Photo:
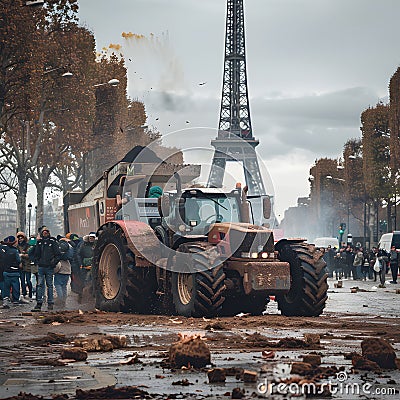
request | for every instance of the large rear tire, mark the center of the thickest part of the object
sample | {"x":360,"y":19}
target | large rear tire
{"x":199,"y":294}
{"x":309,"y":286}
{"x":118,"y":284}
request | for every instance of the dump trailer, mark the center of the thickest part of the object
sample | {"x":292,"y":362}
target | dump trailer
{"x":193,"y":251}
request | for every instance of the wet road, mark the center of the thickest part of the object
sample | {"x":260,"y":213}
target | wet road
{"x":348,"y":318}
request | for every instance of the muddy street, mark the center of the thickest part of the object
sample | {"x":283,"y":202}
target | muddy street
{"x":253,"y":354}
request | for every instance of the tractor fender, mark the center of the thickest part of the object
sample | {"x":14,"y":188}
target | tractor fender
{"x":283,"y":242}
{"x":141,"y":240}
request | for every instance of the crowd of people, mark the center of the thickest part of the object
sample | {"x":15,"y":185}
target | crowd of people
{"x":351,"y":262}
{"x":40,"y":268}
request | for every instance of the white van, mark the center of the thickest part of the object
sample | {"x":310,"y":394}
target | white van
{"x":388,"y":240}
{"x":326,"y":241}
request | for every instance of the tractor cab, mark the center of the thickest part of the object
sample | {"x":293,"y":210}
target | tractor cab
{"x":210,"y":215}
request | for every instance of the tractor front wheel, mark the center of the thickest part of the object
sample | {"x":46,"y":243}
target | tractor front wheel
{"x":309,"y":286}
{"x":201,"y":293}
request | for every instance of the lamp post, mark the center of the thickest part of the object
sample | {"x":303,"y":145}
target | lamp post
{"x":340,"y":180}
{"x":29,"y":218}
{"x":112,"y":82}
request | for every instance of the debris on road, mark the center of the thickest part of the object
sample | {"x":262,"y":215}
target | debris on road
{"x":112,"y":392}
{"x":301,"y":368}
{"x":74,"y":353}
{"x":216,"y":326}
{"x":312,"y":338}
{"x":379,"y":351}
{"x":312,"y":359}
{"x":101,"y":342}
{"x":182,"y":382}
{"x":238,"y":393}
{"x":216,"y":375}
{"x":50,"y":338}
{"x":189,"y":351}
{"x":249,"y":376}
{"x":268,"y":354}
{"x":133,"y":359}
{"x":362,"y":363}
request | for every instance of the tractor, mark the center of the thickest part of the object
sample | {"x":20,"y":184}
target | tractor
{"x":196,"y":252}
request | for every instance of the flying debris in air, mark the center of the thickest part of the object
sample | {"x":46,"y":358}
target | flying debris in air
{"x":130,"y":59}
{"x":157,"y":119}
{"x":188,"y":122}
{"x":202,"y":83}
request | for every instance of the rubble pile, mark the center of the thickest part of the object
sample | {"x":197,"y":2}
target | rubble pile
{"x":379,"y":351}
{"x":189,"y":351}
{"x":101,"y":342}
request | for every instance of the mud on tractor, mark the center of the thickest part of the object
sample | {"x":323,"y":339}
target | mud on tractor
{"x":196,"y":252}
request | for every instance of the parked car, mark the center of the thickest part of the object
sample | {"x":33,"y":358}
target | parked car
{"x":326,"y":241}
{"x":388,"y":240}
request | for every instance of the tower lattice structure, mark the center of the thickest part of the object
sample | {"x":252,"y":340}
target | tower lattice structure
{"x":235,"y":140}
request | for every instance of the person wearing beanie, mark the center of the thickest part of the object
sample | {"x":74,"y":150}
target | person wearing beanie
{"x":25,"y":273}
{"x":155,"y":192}
{"x":46,"y":255}
{"x":12,"y":264}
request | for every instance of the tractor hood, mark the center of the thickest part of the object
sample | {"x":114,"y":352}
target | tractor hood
{"x":241,"y":238}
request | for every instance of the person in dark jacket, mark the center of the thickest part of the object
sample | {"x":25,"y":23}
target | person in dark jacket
{"x":46,"y":256}
{"x":85,"y":256}
{"x":12,"y":265}
{"x":76,"y":280}
{"x":382,"y":257}
{"x":2,"y":254}
{"x":394,"y":264}
{"x":63,"y":271}
{"x":25,"y":273}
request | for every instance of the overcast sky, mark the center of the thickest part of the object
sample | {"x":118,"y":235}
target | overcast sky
{"x":313,"y":66}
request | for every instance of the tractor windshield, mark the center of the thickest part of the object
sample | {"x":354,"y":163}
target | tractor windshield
{"x":202,"y":211}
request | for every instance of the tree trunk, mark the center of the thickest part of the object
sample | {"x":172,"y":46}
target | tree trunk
{"x":40,"y":204}
{"x":21,"y":201}
{"x":389,"y":216}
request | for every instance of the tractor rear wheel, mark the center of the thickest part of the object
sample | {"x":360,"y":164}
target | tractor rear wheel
{"x":117,"y":284}
{"x":309,"y":286}
{"x":199,"y":294}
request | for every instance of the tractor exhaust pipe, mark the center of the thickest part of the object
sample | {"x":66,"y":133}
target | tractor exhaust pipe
{"x":178,"y":183}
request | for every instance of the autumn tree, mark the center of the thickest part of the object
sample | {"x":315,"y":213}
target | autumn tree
{"x":21,"y":62}
{"x":46,"y":119}
{"x":394,"y":125}
{"x":68,"y":103}
{"x":376,"y":161}
{"x":326,"y":194}
{"x":376,"y":151}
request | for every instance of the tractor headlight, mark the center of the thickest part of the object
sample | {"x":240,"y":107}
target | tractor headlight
{"x":254,"y":255}
{"x":245,"y":255}
{"x":264,"y":255}
{"x":182,"y":228}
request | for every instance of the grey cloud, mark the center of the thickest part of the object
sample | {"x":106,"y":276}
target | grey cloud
{"x":319,"y":124}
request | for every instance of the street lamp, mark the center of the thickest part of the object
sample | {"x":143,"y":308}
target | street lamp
{"x":33,"y":3}
{"x":341,"y":231}
{"x":111,"y":82}
{"x":29,"y":218}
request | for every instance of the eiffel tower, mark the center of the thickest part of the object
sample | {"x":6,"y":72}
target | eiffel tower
{"x":235,"y":140}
